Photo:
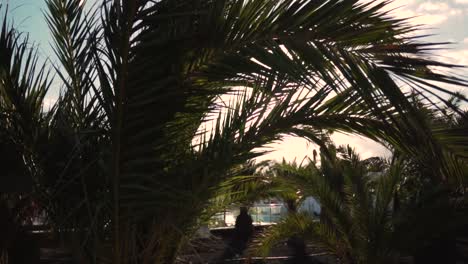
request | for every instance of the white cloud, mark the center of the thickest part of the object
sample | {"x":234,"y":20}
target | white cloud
{"x":433,"y":7}
{"x":421,"y":19}
{"x":399,"y":8}
{"x":404,"y":13}
{"x":429,"y":19}
{"x":457,"y":57}
{"x":463,"y":2}
{"x":365,"y":147}
{"x":433,"y":13}
{"x":426,"y":13}
{"x":455,"y":12}
{"x":396,"y":5}
{"x":295,"y":148}
{"x":290,"y":148}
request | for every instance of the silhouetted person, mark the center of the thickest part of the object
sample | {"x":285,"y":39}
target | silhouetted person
{"x":243,"y":231}
{"x":298,"y":248}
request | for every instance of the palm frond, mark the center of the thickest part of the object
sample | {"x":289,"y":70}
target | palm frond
{"x":299,"y":224}
{"x":23,"y":87}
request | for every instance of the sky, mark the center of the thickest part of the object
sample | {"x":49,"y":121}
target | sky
{"x":445,"y":20}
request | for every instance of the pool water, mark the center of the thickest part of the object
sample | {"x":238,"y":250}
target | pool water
{"x":263,"y":212}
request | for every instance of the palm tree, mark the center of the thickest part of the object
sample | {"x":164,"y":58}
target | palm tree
{"x":23,"y":86}
{"x":359,"y":222}
{"x":422,"y":175}
{"x":122,"y":157}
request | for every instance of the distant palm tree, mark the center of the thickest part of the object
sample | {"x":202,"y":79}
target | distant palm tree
{"x":122,"y":157}
{"x":359,"y":222}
